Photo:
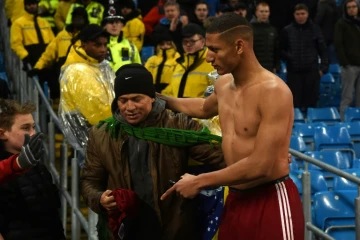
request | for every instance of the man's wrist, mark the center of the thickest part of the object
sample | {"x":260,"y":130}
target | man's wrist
{"x":204,"y":181}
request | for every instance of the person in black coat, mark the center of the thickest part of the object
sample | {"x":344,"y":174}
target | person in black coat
{"x":301,"y":44}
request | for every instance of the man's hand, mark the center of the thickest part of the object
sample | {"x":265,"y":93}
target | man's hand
{"x":173,"y":24}
{"x":108,"y":201}
{"x":32,"y":151}
{"x":321,"y":73}
{"x":186,"y":187}
{"x":289,"y":158}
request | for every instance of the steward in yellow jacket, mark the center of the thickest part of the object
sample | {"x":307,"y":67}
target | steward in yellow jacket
{"x":134,"y":29}
{"x":61,"y":13}
{"x":56,"y":52}
{"x":190,"y":78}
{"x":94,"y":9}
{"x":162,"y":65}
{"x":47,"y":10}
{"x":120,"y":50}
{"x":14,"y":9}
{"x":30,"y":34}
{"x":86,"y":84}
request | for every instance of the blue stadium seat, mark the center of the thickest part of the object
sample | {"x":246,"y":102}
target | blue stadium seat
{"x":2,"y":64}
{"x":354,"y":131}
{"x":298,"y":116}
{"x":328,"y":115}
{"x":298,"y":144}
{"x":282,"y":73}
{"x":352,"y":114}
{"x":4,"y":77}
{"x":341,"y":183}
{"x":147,"y":52}
{"x":335,"y":209}
{"x":318,"y":182}
{"x":293,"y":166}
{"x":326,"y":83}
{"x":335,"y":70}
{"x":306,"y":131}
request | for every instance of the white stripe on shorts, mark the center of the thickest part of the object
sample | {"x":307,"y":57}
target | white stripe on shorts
{"x":285,"y":214}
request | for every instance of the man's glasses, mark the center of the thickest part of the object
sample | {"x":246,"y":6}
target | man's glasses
{"x":190,"y":42}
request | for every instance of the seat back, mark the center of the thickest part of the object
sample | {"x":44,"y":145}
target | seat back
{"x":147,"y":52}
{"x":329,"y":115}
{"x":335,"y":208}
{"x":333,"y":158}
{"x":341,"y":183}
{"x":354,"y":131}
{"x":297,"y":143}
{"x":298,"y":116}
{"x":307,"y":131}
{"x":352,"y":114}
{"x":318,"y":182}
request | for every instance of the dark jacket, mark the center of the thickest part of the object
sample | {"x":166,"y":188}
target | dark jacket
{"x":107,"y":166}
{"x":29,"y":206}
{"x":266,"y":45}
{"x":347,"y":39}
{"x":300,"y":47}
{"x":326,"y":17}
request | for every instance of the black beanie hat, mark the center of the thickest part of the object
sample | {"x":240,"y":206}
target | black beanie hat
{"x":130,"y":79}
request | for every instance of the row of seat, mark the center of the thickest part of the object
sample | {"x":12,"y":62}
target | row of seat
{"x":328,"y":115}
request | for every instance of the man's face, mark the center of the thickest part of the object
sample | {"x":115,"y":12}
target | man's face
{"x":301,"y":16}
{"x":241,"y":12}
{"x":96,"y":49}
{"x":135,"y":108}
{"x":78,"y":22}
{"x":31,"y":8}
{"x":201,"y":11}
{"x":126,"y":11}
{"x":262,"y":13}
{"x":220,"y":54}
{"x":171,"y":12}
{"x":193,"y":44}
{"x":352,"y":9}
{"x":14,"y":138}
{"x":114,"y":27}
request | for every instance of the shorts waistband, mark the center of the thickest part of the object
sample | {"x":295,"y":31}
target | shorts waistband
{"x":282,"y":179}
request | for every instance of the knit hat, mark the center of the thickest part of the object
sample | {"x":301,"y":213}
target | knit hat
{"x":191,"y":29}
{"x":130,"y":79}
{"x":92,"y":32}
{"x":161,"y":33}
{"x":29,"y":2}
{"x":128,"y":4}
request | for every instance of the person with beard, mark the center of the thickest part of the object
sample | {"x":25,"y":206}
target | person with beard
{"x":133,"y":157}
{"x":56,"y":52}
{"x":347,"y":47}
{"x":134,"y":29}
{"x":190,"y":77}
{"x":30,"y":34}
{"x":162,"y":65}
{"x":30,"y":202}
{"x":86,"y":85}
{"x":94,"y":9}
{"x":201,"y":13}
{"x":120,"y":50}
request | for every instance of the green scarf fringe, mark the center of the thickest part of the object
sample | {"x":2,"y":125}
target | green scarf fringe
{"x":167,"y":136}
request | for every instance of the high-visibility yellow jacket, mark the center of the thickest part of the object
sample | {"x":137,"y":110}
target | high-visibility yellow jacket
{"x":14,"y":9}
{"x":61,"y":13}
{"x":95,"y":12}
{"x":162,"y":66}
{"x":191,"y":72}
{"x":121,"y":51}
{"x":50,"y":8}
{"x":57,"y":50}
{"x":23,"y":34}
{"x":134,"y":31}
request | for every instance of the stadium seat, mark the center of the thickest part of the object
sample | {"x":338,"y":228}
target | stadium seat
{"x":334,"y":213}
{"x":341,"y":183}
{"x":147,"y":52}
{"x":334,"y":69}
{"x":298,"y":144}
{"x":318,"y":182}
{"x":293,"y":166}
{"x":354,"y":131}
{"x":326,"y":83}
{"x":4,"y":77}
{"x":298,"y":116}
{"x":306,"y":131}
{"x":352,"y":114}
{"x":2,"y":64}
{"x":327,"y":115}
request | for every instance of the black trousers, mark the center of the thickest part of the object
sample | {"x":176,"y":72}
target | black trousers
{"x":304,"y":87}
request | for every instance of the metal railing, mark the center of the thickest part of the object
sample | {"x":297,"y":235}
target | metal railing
{"x":29,"y":89}
{"x":306,"y":194}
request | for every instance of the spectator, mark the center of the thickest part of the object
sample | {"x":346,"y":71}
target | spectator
{"x":120,"y":50}
{"x":86,"y":85}
{"x":208,"y":21}
{"x":29,"y":203}
{"x":213,"y":6}
{"x":326,"y":17}
{"x":201,"y":13}
{"x":301,"y":45}
{"x":135,"y":170}
{"x":190,"y":75}
{"x":162,"y":65}
{"x":94,"y":9}
{"x":266,"y":39}
{"x":61,"y":13}
{"x":152,"y":18}
{"x":241,"y":8}
{"x":134,"y":29}
{"x":347,"y":39}
{"x":14,"y":9}
{"x":56,"y":52}
{"x":174,"y":22}
{"x":47,"y":10}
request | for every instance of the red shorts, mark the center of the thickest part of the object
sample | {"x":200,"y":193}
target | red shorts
{"x":269,"y":211}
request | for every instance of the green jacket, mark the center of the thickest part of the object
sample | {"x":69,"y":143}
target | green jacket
{"x":95,"y":12}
